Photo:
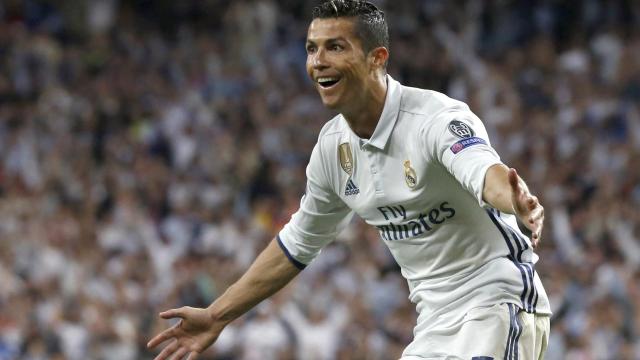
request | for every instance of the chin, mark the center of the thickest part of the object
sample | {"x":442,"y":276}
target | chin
{"x":332,"y":104}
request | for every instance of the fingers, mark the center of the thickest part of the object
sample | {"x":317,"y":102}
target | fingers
{"x":168,"y":333}
{"x":162,"y":337}
{"x":167,"y":351}
{"x":173,"y":313}
{"x":192,"y":356}
{"x":173,"y":351}
{"x":535,"y":239}
{"x":518,"y":196}
{"x":180,"y":353}
{"x":513,"y":179}
{"x":527,"y":206}
{"x":536,"y":221}
{"x":534,"y":212}
{"x":537,"y":214}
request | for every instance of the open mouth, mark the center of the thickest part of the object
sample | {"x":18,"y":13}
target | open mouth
{"x":327,"y":82}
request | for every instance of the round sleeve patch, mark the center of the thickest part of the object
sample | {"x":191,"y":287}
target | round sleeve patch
{"x":460,"y":129}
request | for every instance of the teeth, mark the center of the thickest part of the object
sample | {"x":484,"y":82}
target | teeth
{"x":327,"y":79}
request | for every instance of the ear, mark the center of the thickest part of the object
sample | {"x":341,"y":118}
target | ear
{"x":379,"y":56}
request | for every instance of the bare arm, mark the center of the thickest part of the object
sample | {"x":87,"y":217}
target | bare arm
{"x":507,"y":192}
{"x":199,"y":328}
{"x":270,"y":272}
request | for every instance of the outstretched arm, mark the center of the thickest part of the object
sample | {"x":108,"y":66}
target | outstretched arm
{"x":199,"y":328}
{"x":507,"y":192}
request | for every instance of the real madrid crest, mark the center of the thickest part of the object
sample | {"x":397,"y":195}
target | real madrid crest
{"x":410,"y":176}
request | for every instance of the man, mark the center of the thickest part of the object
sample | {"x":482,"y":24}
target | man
{"x":418,"y":166}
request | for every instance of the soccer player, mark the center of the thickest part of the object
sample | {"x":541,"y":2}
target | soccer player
{"x":419,"y":167}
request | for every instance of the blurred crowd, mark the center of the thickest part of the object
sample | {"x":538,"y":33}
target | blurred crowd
{"x":150,"y":149}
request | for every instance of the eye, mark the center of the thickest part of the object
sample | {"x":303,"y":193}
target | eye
{"x":336,"y":47}
{"x":311,"y":49}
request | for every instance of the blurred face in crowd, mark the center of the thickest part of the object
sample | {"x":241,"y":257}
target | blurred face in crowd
{"x":341,"y":71}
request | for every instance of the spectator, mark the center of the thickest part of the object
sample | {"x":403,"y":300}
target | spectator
{"x":148,"y":151}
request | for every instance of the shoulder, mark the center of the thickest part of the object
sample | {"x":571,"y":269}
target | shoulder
{"x":332,"y":132}
{"x":428,"y":102}
{"x":431,"y":111}
{"x":324,"y":156}
{"x":330,"y":137}
{"x":332,"y":127}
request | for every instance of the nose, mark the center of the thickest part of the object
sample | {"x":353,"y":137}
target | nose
{"x":319,"y":60}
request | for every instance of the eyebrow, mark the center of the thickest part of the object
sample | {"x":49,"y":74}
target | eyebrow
{"x":330,"y":40}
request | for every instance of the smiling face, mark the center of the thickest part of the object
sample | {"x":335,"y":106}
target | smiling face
{"x":337,"y":64}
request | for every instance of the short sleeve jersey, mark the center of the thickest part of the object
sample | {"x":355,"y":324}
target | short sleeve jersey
{"x":419,"y":181}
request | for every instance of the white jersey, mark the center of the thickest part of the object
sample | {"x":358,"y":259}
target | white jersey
{"x":419,"y":180}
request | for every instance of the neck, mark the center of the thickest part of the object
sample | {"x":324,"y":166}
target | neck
{"x":364,"y":116}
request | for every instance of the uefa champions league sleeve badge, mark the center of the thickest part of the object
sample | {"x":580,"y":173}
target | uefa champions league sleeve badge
{"x":461,"y":130}
{"x":410,"y":176}
{"x":467,"y":135}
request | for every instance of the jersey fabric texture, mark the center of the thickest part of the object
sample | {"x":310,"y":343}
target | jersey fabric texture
{"x":419,"y":181}
{"x":497,"y":332}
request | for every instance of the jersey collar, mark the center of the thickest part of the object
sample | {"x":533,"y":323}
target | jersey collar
{"x":389,"y":116}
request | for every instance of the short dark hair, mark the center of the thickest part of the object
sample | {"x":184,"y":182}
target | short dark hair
{"x":371,"y":25}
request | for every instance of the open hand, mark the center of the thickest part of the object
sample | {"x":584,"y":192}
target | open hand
{"x":195,"y":332}
{"x":526,"y":207}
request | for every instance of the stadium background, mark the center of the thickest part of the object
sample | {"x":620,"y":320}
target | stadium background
{"x":149,"y":150}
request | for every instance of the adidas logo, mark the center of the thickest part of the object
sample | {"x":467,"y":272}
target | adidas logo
{"x":351,"y":188}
